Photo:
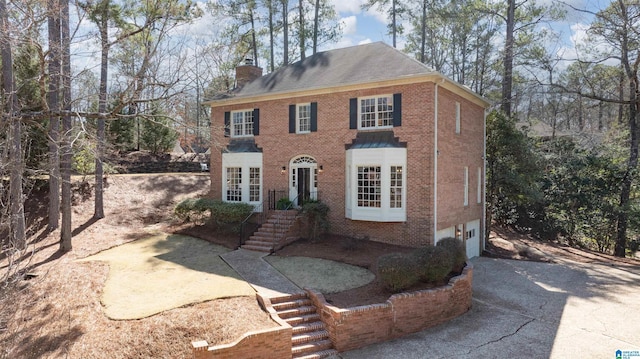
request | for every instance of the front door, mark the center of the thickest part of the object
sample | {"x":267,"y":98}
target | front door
{"x":304,"y":185}
{"x":303,"y":180}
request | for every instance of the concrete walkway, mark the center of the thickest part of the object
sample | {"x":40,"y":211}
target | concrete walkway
{"x":265,"y":279}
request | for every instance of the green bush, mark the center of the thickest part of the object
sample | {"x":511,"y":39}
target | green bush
{"x":457,"y":249}
{"x":283,"y":203}
{"x":397,"y":271}
{"x":316,"y":213}
{"x":434,"y":263}
{"x":200,"y":210}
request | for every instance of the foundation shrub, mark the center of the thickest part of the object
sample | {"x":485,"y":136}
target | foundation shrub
{"x":397,"y":271}
{"x":434,"y":263}
{"x":457,"y":249}
{"x":218,"y":213}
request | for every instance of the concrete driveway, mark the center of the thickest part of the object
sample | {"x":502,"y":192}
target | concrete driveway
{"x":533,"y":310}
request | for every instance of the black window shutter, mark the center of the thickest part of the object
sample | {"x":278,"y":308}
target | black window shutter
{"x":353,"y":113}
{"x":227,"y":124}
{"x":256,"y":121}
{"x":314,"y":117}
{"x":292,"y":118}
{"x":397,"y":109}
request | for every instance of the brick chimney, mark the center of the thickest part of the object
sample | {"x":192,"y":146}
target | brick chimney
{"x":247,"y":73}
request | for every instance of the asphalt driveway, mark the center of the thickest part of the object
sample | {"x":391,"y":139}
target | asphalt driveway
{"x":533,"y":310}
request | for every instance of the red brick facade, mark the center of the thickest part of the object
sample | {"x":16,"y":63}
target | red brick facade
{"x":327,"y":147}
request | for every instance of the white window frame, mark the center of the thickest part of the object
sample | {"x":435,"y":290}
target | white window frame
{"x":377,"y":113}
{"x":299,"y":118}
{"x":246,"y":162}
{"x":466,"y":186}
{"x":457,"y":117}
{"x":385,"y":158}
{"x":244,"y":123}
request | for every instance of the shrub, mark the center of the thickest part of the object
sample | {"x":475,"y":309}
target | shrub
{"x":397,"y":271}
{"x":316,"y":214}
{"x":457,"y":249}
{"x":283,"y":203}
{"x":199,"y":210}
{"x":434,"y":263}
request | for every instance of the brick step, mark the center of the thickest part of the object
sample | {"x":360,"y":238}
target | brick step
{"x":256,"y":248}
{"x":309,"y":348}
{"x":292,"y":304}
{"x":308,"y":327}
{"x":310,"y":337}
{"x":288,"y":298}
{"x":309,"y":318}
{"x":262,"y":235}
{"x":296,"y":312}
{"x":259,"y":242}
{"x":274,"y":222}
{"x":318,"y":355}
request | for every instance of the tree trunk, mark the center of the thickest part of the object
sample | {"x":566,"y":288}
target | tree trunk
{"x":65,"y":167}
{"x":285,"y":29}
{"x":632,"y":164}
{"x":393,"y":22}
{"x":102,"y":108}
{"x":316,"y":22}
{"x":423,"y":32}
{"x":53,"y":101}
{"x":18,"y":232}
{"x":507,"y":81}
{"x":271,"y":41}
{"x":301,"y":34}
{"x":254,"y":43}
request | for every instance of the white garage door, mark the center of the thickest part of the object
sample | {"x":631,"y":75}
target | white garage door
{"x":473,"y":238}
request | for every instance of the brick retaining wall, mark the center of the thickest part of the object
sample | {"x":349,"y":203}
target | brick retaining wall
{"x":402,"y":314}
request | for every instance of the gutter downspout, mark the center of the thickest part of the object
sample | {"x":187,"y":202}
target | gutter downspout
{"x":484,"y":183}
{"x":435,"y":163}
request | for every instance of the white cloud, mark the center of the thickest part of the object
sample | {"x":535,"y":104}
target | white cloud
{"x":348,"y":6}
{"x":365,"y":41}
{"x":379,"y":14}
{"x":350,"y":24}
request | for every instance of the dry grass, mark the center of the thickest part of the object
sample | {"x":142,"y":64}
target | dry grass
{"x":58,"y":312}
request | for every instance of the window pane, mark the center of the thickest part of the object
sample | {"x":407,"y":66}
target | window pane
{"x":368,"y":112}
{"x":234,"y":182}
{"x":385,"y":111}
{"x":369,"y":187}
{"x":304,"y":118}
{"x":395,"y":195}
{"x":254,"y":184}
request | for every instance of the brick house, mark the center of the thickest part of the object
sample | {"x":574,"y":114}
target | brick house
{"x":394,"y":148}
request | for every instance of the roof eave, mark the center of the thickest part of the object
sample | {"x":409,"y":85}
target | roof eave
{"x":424,"y":77}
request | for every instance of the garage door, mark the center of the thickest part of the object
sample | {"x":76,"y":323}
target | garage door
{"x":473,"y":238}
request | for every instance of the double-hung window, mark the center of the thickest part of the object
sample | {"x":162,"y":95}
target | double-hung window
{"x":234,"y":184}
{"x":369,"y":190}
{"x":304,"y":118}
{"x":242,"y":123}
{"x":376,"y":112}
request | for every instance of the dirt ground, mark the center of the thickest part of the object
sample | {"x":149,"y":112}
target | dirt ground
{"x":56,"y":311}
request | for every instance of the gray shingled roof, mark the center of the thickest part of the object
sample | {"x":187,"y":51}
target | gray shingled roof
{"x":352,"y":65}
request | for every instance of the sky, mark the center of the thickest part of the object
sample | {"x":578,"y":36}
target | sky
{"x":364,"y":26}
